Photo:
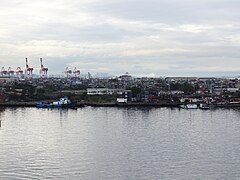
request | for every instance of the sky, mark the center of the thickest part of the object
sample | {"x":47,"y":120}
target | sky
{"x":143,"y":37}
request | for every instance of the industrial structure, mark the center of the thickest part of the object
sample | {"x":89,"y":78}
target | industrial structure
{"x":3,"y":71}
{"x":68,"y":72}
{"x":76,"y":73}
{"x":43,"y":70}
{"x":28,"y":70}
{"x":19,"y":71}
{"x":10,"y":71}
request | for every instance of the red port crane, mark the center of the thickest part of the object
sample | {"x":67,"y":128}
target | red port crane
{"x":28,"y":69}
{"x":19,"y":71}
{"x":68,"y":72}
{"x":43,"y":70}
{"x":76,"y":72}
{"x":3,"y":71}
{"x":10,"y":71}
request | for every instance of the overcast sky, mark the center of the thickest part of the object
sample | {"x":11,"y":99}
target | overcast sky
{"x":142,"y":37}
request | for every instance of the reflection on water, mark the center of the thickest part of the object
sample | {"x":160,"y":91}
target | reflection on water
{"x":119,"y":143}
{"x":1,"y":112}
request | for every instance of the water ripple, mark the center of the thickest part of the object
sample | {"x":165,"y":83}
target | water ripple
{"x":119,"y":143}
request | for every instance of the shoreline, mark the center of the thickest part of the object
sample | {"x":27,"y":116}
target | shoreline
{"x":33,"y":104}
{"x":139,"y":104}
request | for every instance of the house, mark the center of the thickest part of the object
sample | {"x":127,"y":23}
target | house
{"x":102,"y":91}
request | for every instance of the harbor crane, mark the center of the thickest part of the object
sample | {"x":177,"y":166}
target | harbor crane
{"x":28,"y":69}
{"x":43,"y":70}
{"x":68,"y":72}
{"x":3,"y":71}
{"x":10,"y":71}
{"x":76,"y":72}
{"x":89,"y":75}
{"x":19,"y":71}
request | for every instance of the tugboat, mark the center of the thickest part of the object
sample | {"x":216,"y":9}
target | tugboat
{"x":61,"y":103}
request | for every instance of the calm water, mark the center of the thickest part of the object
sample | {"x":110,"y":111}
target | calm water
{"x":119,"y":143}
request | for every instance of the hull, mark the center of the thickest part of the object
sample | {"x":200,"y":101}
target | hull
{"x":71,"y":105}
{"x":204,"y":106}
{"x":44,"y":105}
{"x":189,"y":106}
{"x":52,"y":105}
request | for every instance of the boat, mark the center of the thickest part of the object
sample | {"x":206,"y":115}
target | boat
{"x":43,"y":105}
{"x":61,"y":103}
{"x":204,"y":106}
{"x":189,"y":106}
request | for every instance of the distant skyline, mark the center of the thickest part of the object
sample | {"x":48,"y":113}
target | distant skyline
{"x":142,"y":37}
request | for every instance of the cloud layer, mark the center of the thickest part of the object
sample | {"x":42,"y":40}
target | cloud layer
{"x":161,"y":38}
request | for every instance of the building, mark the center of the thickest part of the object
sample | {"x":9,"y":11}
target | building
{"x":103,"y":91}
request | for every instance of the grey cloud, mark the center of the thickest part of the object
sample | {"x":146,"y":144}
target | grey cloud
{"x":170,"y":11}
{"x":159,"y":37}
{"x":78,"y":33}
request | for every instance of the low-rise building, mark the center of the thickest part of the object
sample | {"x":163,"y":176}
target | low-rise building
{"x":102,"y":91}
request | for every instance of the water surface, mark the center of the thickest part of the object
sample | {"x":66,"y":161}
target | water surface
{"x":119,"y":143}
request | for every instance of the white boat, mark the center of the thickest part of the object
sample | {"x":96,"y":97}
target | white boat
{"x":61,"y":103}
{"x":189,"y":106}
{"x":204,"y":106}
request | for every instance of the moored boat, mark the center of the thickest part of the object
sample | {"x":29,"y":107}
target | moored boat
{"x":204,"y":106}
{"x":43,"y":105}
{"x":189,"y":106}
{"x":61,"y":103}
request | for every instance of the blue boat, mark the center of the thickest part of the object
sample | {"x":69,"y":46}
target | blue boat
{"x":61,"y":103}
{"x":43,"y":105}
